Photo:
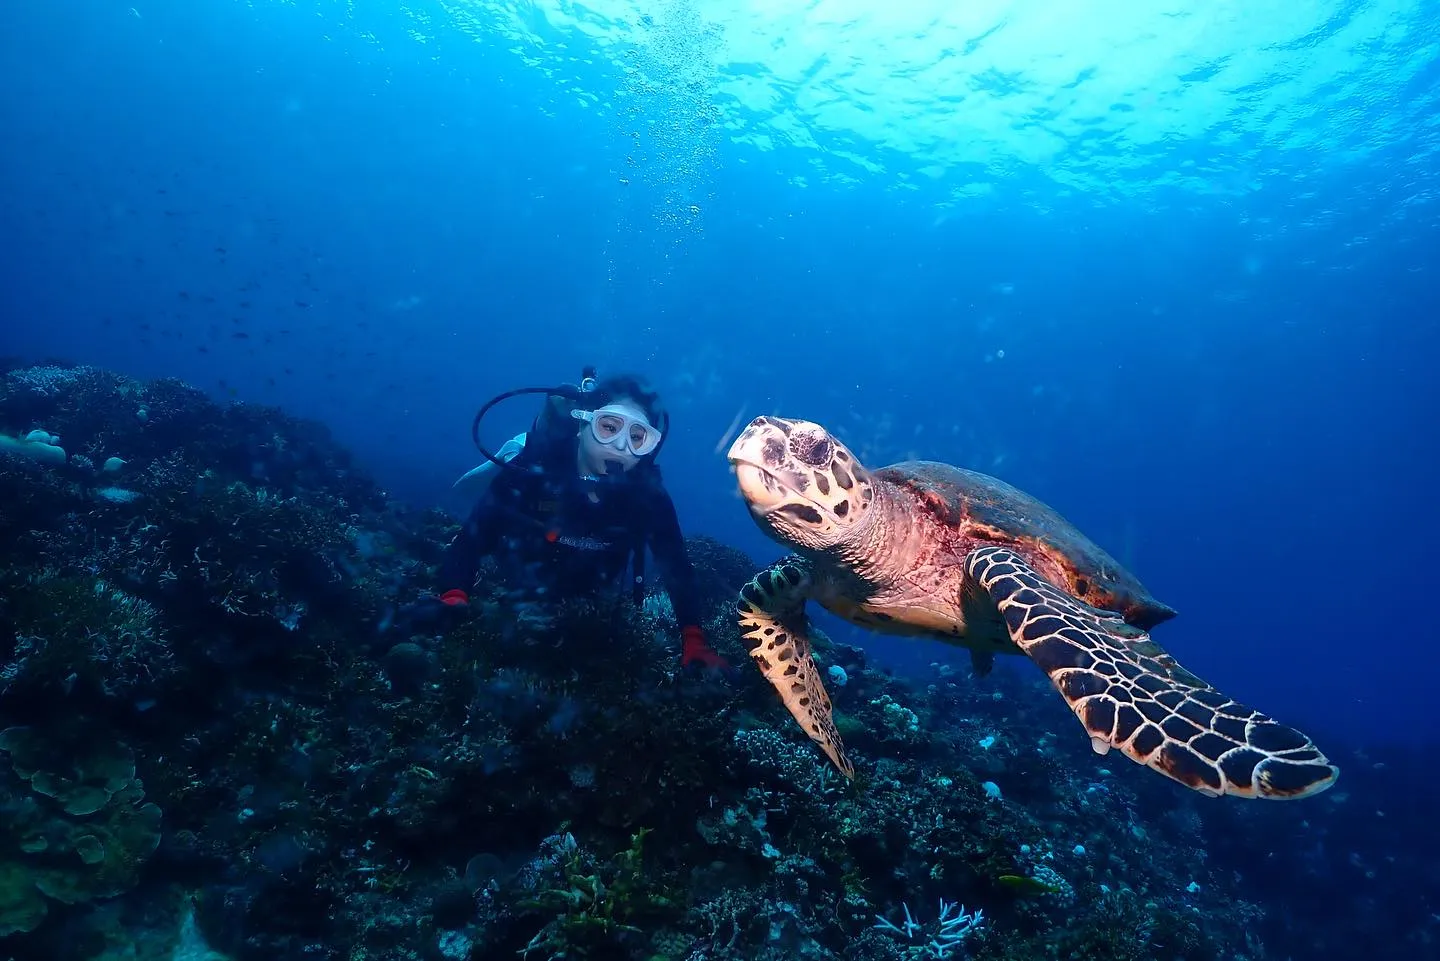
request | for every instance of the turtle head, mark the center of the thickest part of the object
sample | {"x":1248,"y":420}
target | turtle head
{"x":803,"y":487}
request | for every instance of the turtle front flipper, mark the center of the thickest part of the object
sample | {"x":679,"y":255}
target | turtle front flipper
{"x":1132,"y":695}
{"x":775,"y":631}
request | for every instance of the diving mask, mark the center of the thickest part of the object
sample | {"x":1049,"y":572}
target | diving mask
{"x":621,"y":428}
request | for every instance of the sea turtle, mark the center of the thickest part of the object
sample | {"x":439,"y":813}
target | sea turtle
{"x":926,"y":549}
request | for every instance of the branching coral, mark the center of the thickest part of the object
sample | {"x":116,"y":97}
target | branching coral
{"x":87,"y":631}
{"x":936,"y":939}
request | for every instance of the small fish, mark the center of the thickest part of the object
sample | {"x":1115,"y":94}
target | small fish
{"x":1025,"y":886}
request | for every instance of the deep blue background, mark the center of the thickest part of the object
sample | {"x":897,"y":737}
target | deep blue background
{"x":1244,"y":415}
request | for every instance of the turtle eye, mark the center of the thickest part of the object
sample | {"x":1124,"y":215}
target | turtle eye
{"x":812,"y":451}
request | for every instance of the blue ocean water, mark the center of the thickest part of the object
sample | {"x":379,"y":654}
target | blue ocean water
{"x":1170,"y":267}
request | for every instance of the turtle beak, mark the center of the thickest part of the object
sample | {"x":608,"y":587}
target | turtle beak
{"x":762,"y":491}
{"x":760,"y":488}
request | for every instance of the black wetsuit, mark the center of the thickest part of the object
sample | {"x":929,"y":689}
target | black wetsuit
{"x":539,"y":521}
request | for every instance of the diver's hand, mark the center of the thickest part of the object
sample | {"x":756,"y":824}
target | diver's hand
{"x":433,"y":612}
{"x":698,"y":658}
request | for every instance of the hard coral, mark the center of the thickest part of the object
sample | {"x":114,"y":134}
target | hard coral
{"x":76,"y":821}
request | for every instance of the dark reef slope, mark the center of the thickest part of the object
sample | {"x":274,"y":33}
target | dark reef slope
{"x":205,"y":714}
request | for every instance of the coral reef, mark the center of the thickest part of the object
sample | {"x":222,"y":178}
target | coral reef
{"x":208,"y":716}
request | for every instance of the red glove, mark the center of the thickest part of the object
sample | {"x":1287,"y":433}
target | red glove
{"x":694,"y":651}
{"x":455,"y":598}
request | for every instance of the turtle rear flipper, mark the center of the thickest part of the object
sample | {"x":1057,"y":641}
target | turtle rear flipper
{"x":1130,"y":694}
{"x":775,"y":631}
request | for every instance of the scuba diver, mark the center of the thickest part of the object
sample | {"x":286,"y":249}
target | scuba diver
{"x":572,"y":503}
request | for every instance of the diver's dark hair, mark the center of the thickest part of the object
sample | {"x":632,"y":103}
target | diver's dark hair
{"x":612,"y":388}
